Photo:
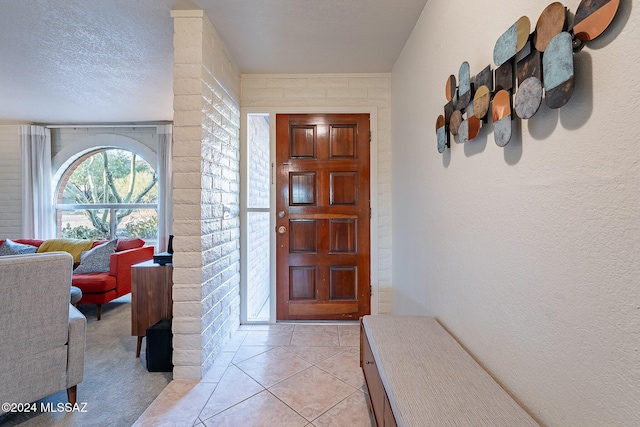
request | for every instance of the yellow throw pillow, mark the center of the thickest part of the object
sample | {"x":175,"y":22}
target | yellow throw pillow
{"x":73,"y":246}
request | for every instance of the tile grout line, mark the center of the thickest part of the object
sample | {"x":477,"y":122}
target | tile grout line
{"x":342,"y":349}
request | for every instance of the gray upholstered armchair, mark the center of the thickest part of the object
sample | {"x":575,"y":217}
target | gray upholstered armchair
{"x":42,"y":336}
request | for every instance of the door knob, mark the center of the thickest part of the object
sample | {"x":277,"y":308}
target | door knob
{"x":282,"y":229}
{"x":282,"y":214}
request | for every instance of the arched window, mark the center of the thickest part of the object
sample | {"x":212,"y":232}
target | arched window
{"x":108,"y":193}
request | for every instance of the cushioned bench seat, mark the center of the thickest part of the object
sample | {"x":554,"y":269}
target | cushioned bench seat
{"x":429,"y":379}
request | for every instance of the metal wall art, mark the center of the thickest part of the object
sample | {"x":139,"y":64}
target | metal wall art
{"x":543,"y":72}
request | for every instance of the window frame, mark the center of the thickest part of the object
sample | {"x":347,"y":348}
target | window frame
{"x":64,"y":175}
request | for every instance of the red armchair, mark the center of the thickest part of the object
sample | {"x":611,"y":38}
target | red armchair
{"x":100,"y":288}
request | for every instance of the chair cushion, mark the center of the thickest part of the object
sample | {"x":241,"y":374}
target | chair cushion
{"x":96,"y":260}
{"x":32,"y":242}
{"x":97,"y":282}
{"x":73,"y":246}
{"x":126,"y":244}
{"x":9,"y":247}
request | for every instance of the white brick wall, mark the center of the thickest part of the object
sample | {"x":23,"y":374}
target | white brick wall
{"x":303,"y":93}
{"x":69,"y":136}
{"x":11,"y":182}
{"x":258,"y":223}
{"x":206,"y":195}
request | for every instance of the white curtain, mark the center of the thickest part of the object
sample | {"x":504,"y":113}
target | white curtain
{"x":165,"y":186}
{"x":37,"y":202}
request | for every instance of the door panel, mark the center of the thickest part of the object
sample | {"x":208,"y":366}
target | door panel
{"x":323,"y":206}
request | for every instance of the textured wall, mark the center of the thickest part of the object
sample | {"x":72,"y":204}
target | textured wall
{"x":529,"y":255}
{"x":11,"y":182}
{"x":304,"y":93}
{"x":206,"y":195}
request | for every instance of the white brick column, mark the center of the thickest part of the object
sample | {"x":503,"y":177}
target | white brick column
{"x":206,"y":195}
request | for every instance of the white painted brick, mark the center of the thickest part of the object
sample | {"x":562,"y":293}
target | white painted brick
{"x":329,"y":83}
{"x":213,"y":161}
{"x":271,"y":103}
{"x":187,"y":293}
{"x":186,"y":164}
{"x":186,"y":148}
{"x":187,"y":357}
{"x":379,"y":92}
{"x":188,"y":244}
{"x":187,"y":118}
{"x":190,"y":55}
{"x":185,"y":325}
{"x":262,"y":93}
{"x":187,"y":259}
{"x":187,"y":212}
{"x":186,"y":71}
{"x":183,"y":133}
{"x":186,"y":372}
{"x":370,"y":82}
{"x":186,"y":180}
{"x":287,"y":83}
{"x":253,"y":83}
{"x":187,"y":276}
{"x":347,"y":93}
{"x":187,"y":86}
{"x":187,"y":309}
{"x":189,"y":21}
{"x":184,"y":228}
{"x":11,"y":178}
{"x":187,"y":40}
{"x":187,"y":196}
{"x":187,"y":341}
{"x":304,"y":93}
{"x":384,"y":119}
{"x":187,"y":102}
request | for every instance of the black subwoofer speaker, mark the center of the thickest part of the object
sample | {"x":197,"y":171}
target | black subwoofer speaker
{"x":159,"y":347}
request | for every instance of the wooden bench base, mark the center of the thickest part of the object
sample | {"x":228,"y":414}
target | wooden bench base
{"x":418,"y":375}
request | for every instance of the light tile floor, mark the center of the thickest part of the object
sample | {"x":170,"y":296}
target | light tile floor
{"x":273,"y":375}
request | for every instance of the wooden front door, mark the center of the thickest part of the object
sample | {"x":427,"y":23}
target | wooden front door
{"x":322,"y":216}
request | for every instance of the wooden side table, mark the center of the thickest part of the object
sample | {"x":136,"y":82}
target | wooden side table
{"x":150,"y":297}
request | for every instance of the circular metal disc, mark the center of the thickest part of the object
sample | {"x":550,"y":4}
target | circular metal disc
{"x":456,"y":121}
{"x":523,"y":28}
{"x":593,"y":17}
{"x":439,"y":122}
{"x":450,"y":88}
{"x":481,"y":102}
{"x":551,"y":22}
{"x":528,"y":98}
{"x":474,"y":127}
{"x":501,"y":106}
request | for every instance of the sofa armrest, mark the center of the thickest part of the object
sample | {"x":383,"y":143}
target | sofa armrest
{"x":75,"y":346}
{"x":121,"y":262}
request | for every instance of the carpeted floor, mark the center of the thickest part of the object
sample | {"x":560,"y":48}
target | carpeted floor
{"x":116,"y":388}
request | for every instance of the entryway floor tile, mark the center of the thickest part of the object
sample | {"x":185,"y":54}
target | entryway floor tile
{"x":312,"y":392}
{"x":302,"y":375}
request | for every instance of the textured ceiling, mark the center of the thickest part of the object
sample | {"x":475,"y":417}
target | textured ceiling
{"x":108,"y":61}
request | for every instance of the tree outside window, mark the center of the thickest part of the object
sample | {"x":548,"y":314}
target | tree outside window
{"x":106,"y":194}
